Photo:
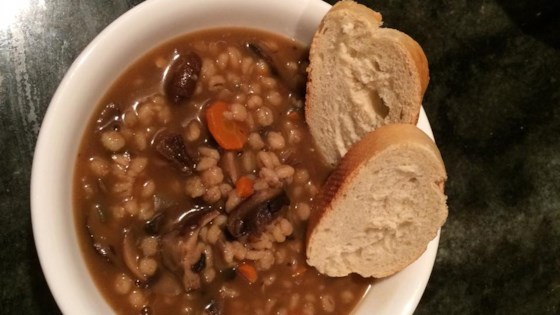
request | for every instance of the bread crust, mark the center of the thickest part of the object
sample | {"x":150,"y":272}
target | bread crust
{"x":368,"y":148}
{"x":349,"y":5}
{"x":415,"y":59}
{"x":345,"y":5}
{"x":373,"y":144}
{"x":420,"y":60}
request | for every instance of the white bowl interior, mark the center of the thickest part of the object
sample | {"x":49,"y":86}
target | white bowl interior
{"x":124,"y":41}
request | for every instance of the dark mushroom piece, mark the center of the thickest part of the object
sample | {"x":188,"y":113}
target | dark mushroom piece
{"x":179,"y":247}
{"x":178,"y":231}
{"x":172,"y":148}
{"x":153,"y":225}
{"x":255,"y":213}
{"x":294,"y":83}
{"x":182,"y":77}
{"x":193,"y":219}
{"x":262,"y":54}
{"x":169,"y":217}
{"x":157,"y":224}
{"x":131,"y":254}
{"x":200,"y":264}
{"x":95,"y":221}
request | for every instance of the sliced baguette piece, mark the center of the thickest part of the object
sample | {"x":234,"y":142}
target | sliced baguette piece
{"x":380,"y":207}
{"x":361,"y":76}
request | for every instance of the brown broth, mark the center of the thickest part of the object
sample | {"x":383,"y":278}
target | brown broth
{"x":118,"y":188}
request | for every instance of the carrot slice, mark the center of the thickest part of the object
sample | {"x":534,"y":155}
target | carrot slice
{"x":244,"y":187}
{"x":230,"y":134}
{"x":248,"y":272}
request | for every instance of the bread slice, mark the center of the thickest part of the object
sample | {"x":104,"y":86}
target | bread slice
{"x":380,"y":207}
{"x":361,"y":76}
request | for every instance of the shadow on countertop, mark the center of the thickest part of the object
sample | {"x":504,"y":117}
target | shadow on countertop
{"x":537,"y":18}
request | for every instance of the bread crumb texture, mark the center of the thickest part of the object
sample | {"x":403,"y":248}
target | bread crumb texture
{"x":381,"y":206}
{"x":361,"y":76}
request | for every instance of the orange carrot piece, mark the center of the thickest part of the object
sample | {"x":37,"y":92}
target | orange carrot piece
{"x":230,"y":134}
{"x":244,"y":187}
{"x":248,"y":272}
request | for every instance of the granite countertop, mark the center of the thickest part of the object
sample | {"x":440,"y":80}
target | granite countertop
{"x":493,"y":102}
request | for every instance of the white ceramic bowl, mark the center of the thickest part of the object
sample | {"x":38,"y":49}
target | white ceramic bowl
{"x":125,"y":40}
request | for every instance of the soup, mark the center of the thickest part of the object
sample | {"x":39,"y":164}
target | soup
{"x":195,"y":179}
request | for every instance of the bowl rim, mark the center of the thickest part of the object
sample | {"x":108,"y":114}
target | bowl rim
{"x":44,"y":229}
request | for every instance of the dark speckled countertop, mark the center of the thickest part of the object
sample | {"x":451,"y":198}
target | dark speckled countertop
{"x":493,"y":102}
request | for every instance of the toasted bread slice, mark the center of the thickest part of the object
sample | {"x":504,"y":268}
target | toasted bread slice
{"x":361,"y":76}
{"x":380,"y":207}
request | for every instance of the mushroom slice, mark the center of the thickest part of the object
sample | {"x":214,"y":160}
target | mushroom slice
{"x":96,"y":226}
{"x":131,"y":254}
{"x":255,"y":213}
{"x":295,"y":83}
{"x":262,"y":54}
{"x":172,"y":147}
{"x":180,"y":252}
{"x":183,"y":77}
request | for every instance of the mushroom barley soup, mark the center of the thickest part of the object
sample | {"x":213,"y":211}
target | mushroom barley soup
{"x":195,"y":180}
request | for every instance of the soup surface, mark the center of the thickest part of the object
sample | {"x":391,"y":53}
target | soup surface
{"x":195,"y":179}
